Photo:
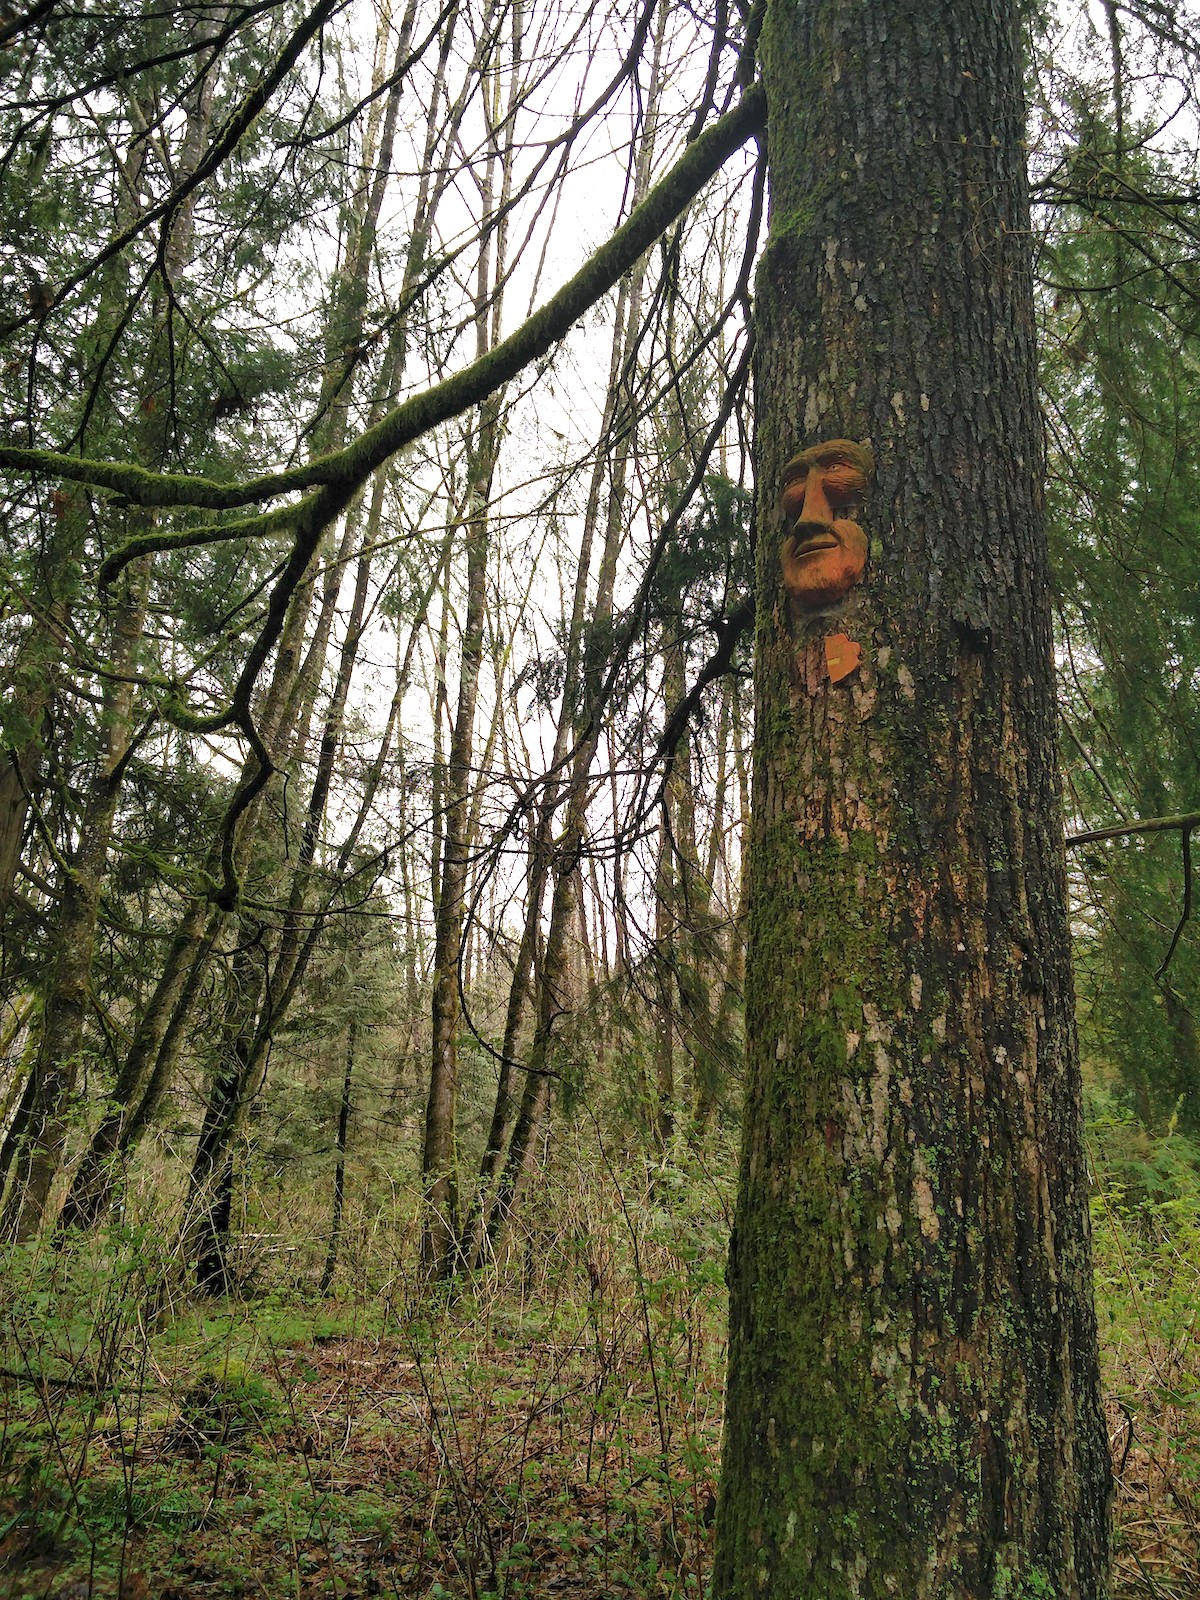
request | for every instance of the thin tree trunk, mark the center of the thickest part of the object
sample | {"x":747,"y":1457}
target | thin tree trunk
{"x":40,"y":655}
{"x":439,"y":1162}
{"x":710,"y":1047}
{"x":66,"y":996}
{"x":65,"y":1006}
{"x":291,"y":698}
{"x":339,"y":1173}
{"x":209,"y":1208}
{"x":15,"y":1132}
{"x":664,"y":957}
{"x":144,"y":1072}
{"x":554,"y":1001}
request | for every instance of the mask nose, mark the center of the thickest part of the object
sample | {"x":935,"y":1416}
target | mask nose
{"x":811,"y":503}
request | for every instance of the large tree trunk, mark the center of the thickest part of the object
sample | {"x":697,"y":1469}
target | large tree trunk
{"x":913,"y":1404}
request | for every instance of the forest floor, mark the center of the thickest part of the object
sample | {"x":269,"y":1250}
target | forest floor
{"x":552,"y":1430}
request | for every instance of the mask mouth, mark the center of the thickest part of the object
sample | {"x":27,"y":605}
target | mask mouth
{"x":817,"y":541}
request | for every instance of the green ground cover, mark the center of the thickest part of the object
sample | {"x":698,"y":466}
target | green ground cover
{"x":550,"y":1426}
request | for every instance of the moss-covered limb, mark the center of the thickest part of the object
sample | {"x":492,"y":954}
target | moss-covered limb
{"x":1123,"y":830}
{"x":538,"y":335}
{"x":268,"y":522}
{"x":142,"y":487}
{"x":319,"y":514}
{"x":347,"y":469}
{"x":312,"y":517}
{"x":174,"y":710}
{"x":254,"y":781}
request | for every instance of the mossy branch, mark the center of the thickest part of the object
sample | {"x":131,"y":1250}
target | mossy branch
{"x":347,"y":468}
{"x":542,"y":331}
{"x":1186,"y":821}
{"x":142,"y":544}
{"x":141,"y":487}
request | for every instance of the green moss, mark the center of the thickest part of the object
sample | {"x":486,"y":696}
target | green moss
{"x":229,"y":1401}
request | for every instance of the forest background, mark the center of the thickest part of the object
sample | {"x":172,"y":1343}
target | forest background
{"x":376,"y":762}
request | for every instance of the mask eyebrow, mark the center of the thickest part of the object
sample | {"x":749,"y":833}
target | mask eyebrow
{"x":834,"y":453}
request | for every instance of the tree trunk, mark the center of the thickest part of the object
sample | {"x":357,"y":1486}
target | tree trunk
{"x":209,"y":1206}
{"x":505,"y":1105}
{"x":439,"y":1165}
{"x":709,"y":1000}
{"x":339,"y":1172}
{"x":66,"y":1000}
{"x":913,"y":1403}
{"x":285,"y":717}
{"x":65,"y":1003}
{"x":33,"y":676}
{"x":291,"y":698}
{"x":664,"y":981}
{"x":441,"y":1235}
{"x":554,"y":1001}
{"x":511,"y":1137}
{"x":145,"y":1071}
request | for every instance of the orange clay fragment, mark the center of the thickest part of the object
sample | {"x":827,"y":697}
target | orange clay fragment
{"x":824,"y":554}
{"x":842,"y":656}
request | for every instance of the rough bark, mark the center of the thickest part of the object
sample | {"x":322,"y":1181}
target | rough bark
{"x":913,"y":1404}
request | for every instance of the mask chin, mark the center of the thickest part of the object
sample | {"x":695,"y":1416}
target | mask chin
{"x":821,"y":577}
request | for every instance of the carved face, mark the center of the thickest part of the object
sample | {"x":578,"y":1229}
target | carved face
{"x":825,"y":552}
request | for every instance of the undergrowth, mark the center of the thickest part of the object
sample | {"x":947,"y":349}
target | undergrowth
{"x":547,"y":1426}
{"x":1146,"y":1216}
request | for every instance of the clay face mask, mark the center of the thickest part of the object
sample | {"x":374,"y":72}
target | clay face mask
{"x":824,"y":553}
